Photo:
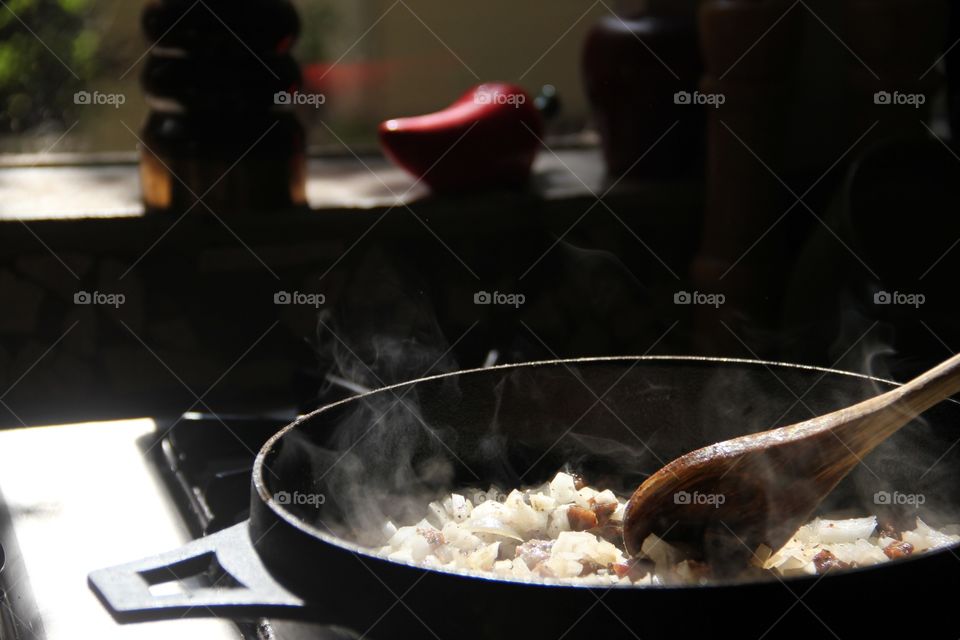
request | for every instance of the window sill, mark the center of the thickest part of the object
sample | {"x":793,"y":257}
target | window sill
{"x":78,"y":187}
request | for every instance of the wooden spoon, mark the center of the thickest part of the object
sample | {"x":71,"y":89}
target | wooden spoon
{"x":731,"y":497}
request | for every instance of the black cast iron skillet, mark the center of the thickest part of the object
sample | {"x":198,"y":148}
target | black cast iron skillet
{"x":614,"y":420}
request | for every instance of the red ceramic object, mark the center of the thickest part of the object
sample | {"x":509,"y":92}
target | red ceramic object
{"x":486,"y":139}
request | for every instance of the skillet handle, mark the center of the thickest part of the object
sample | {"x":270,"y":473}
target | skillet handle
{"x":246,"y":590}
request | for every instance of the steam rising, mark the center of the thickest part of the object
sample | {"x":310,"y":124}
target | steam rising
{"x":382,"y":457}
{"x":385,"y":456}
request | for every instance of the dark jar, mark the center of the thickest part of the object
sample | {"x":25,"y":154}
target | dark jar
{"x":223,"y":161}
{"x":221,"y":137}
{"x":641,"y":75}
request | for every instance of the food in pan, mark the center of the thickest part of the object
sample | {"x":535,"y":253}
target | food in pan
{"x":568,"y":532}
{"x":823,"y":544}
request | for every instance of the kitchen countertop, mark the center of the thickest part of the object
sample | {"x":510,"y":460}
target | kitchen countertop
{"x":80,"y":497}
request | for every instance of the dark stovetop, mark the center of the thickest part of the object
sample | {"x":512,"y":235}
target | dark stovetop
{"x":206,"y":462}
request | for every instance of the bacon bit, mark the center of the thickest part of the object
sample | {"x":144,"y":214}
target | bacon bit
{"x":888,"y":530}
{"x":699,"y":569}
{"x":603,"y":511}
{"x":578,"y":482}
{"x":611,"y":532}
{"x":825,"y":561}
{"x":533,"y":552}
{"x":634,"y":568}
{"x":434,"y":537}
{"x":581,"y":519}
{"x":896,"y":550}
{"x":589,"y":567}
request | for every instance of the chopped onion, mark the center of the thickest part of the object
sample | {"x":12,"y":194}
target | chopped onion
{"x":492,"y":526}
{"x":830,"y":531}
{"x":526,"y":534}
{"x":563,"y":489}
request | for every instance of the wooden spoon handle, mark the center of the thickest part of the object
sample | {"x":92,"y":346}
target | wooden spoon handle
{"x":865,"y":425}
{"x":930,"y":388}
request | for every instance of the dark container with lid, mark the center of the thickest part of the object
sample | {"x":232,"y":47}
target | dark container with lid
{"x":641,"y":72}
{"x":221,"y":136}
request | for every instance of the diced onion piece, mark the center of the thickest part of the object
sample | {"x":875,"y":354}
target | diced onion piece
{"x":559,"y":521}
{"x":606,"y":497}
{"x":761,"y":555}
{"x":503,"y":566}
{"x":458,"y":507}
{"x":618,"y":514}
{"x":563,"y":567}
{"x":832,"y":531}
{"x":584,"y":496}
{"x":542,"y":502}
{"x":439,"y":514}
{"x":492,"y":526}
{"x":563,"y":489}
{"x":484,"y":557}
{"x":662,"y":553}
{"x":925,"y":537}
{"x":389,"y":530}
